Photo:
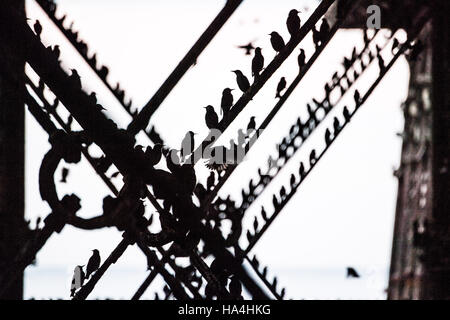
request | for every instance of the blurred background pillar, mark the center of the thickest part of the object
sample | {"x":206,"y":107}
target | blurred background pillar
{"x":12,"y":143}
{"x":437,"y":262}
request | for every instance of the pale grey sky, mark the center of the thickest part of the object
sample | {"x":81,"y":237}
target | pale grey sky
{"x":342,"y":215}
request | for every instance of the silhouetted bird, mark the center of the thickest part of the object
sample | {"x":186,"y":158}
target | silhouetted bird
{"x":275,"y":202}
{"x":93,"y":263}
{"x":324,"y":30}
{"x":56,"y":51}
{"x":69,"y":122}
{"x":242,"y":81}
{"x":64,"y":174}
{"x":187,"y":145}
{"x":347,"y":63}
{"x":301,"y":59}
{"x":354,"y":55}
{"x":381,"y":63}
{"x":115,"y":174}
{"x":251,"y":125}
{"x":312,"y":157}
{"x":241,"y":137}
{"x":301,"y":170}
{"x":227,"y":100}
{"x":327,"y":137}
{"x":264,"y":214}
{"x":75,"y":78}
{"x":277,"y":41}
{"x":93,"y":98}
{"x":211,"y":118}
{"x":255,"y":224}
{"x":38,"y":222}
{"x":257,"y":62}
{"x":365,"y":35}
{"x":327,"y":89}
{"x":346,"y":114}
{"x":416,"y":50}
{"x":293,"y":22}
{"x":235,"y":287}
{"x":311,"y":113}
{"x":248,"y":48}
{"x":153,"y":155}
{"x":395,"y":45}
{"x":77,"y":280}
{"x":292,"y":180}
{"x":351,"y":273}
{"x":282,"y":193}
{"x":357,"y":97}
{"x":316,"y":37}
{"x":336,"y":125}
{"x":37,"y":28}
{"x":210,"y":182}
{"x":281,"y":86}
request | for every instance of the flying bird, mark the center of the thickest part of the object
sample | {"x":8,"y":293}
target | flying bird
{"x":351,"y":273}
{"x":93,"y":263}
{"x":248,"y":48}
{"x":211,"y":118}
{"x":37,"y":28}
{"x":281,"y":86}
{"x":293,"y":22}
{"x":257,"y":62}
{"x":227,"y":100}
{"x":242,"y":81}
{"x":64,"y":174}
{"x":277,"y":41}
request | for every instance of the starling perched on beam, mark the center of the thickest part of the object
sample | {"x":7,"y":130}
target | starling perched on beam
{"x":227,"y":100}
{"x":211,"y":118}
{"x":281,"y":86}
{"x":38,"y":28}
{"x":242,"y":81}
{"x":77,"y":280}
{"x":93,"y":263}
{"x":257,"y":62}
{"x":293,"y":22}
{"x":277,"y":41}
{"x":153,"y":155}
{"x":301,"y":59}
{"x":251,"y":125}
{"x":75,"y":78}
{"x":187,"y":145}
